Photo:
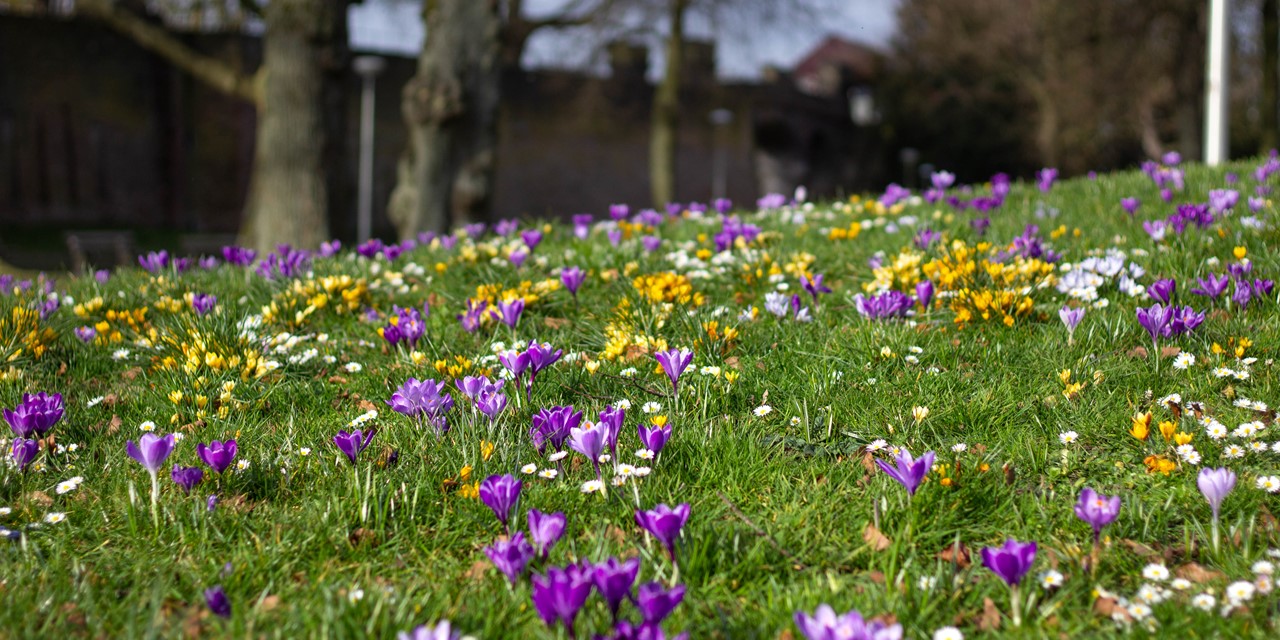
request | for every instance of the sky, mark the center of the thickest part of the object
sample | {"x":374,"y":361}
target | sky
{"x":394,"y":27}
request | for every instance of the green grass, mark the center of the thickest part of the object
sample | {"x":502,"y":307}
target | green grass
{"x":779,"y":506}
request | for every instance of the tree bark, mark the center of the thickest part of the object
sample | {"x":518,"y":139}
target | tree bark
{"x":666,"y":112}
{"x":451,"y":109}
{"x":1270,"y":75}
{"x":287,"y":193}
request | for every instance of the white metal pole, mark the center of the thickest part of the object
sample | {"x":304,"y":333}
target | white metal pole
{"x":1216,"y":85}
{"x":368,"y":67}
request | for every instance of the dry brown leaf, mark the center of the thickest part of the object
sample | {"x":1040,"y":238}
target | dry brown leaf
{"x":877,"y":540}
{"x":1109,"y":607}
{"x":366,"y":405}
{"x":477,"y":571}
{"x":868,"y":462}
{"x":268,"y":603}
{"x":131,"y":373}
{"x":362,"y":535}
{"x":990,"y":619}
{"x":959,"y":554}
{"x":556,"y":323}
{"x":731,"y":362}
{"x":1137,"y":352}
{"x":1169,"y":351}
{"x":1143,"y":551}
{"x":1198,"y":573}
{"x":40,"y":498}
{"x":337,"y":380}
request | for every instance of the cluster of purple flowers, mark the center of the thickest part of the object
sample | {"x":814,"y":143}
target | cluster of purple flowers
{"x":406,"y":325}
{"x":424,"y":401}
{"x":536,"y":358}
{"x":1165,"y":321}
{"x":883,"y":306}
{"x":485,"y":394}
{"x":30,"y":421}
{"x":472,"y":314}
{"x":732,"y":228}
{"x":783,"y":306}
{"x":284,"y":263}
{"x":238,"y":256}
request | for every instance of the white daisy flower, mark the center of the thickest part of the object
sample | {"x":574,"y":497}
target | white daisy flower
{"x":1204,"y":602}
{"x":1233,"y":451}
{"x":651,"y":407}
{"x":876,"y":445}
{"x":120,"y":354}
{"x":147,"y":426}
{"x":1068,"y":437}
{"x":549,"y":474}
{"x":1139,"y":611}
{"x":529,"y":469}
{"x":623,"y":404}
{"x":1263,"y":566}
{"x":1216,"y":430}
{"x":66,"y":486}
{"x":305,"y":451}
{"x":558,"y":456}
{"x":1051,"y":579}
{"x":959,"y":447}
{"x":93,"y":402}
{"x":1240,"y":592}
{"x":762,"y":410}
{"x":242,"y":464}
{"x":645,"y":454}
{"x":1155,"y":572}
{"x":592,"y":486}
{"x":948,"y":633}
{"x":1270,"y":484}
{"x":353,"y":367}
{"x":926,"y":583}
{"x":1184,"y":361}
{"x":54,"y":517}
{"x":1180,"y":584}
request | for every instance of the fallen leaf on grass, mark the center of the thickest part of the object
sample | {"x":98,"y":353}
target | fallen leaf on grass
{"x":990,"y":619}
{"x":1198,"y":573}
{"x":1110,"y":608}
{"x":877,"y":540}
{"x":957,"y":553}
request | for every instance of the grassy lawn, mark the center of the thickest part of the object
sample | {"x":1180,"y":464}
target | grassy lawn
{"x":775,"y":431}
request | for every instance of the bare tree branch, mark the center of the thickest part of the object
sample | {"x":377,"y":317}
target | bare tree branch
{"x":209,"y":70}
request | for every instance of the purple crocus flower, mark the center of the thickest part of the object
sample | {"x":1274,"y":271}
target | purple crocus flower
{"x":541,"y":356}
{"x":506,"y":227}
{"x":216,"y":599}
{"x":423,"y":400}
{"x":354,"y":442}
{"x":509,"y":311}
{"x":218,"y":455}
{"x":722,"y":205}
{"x":614,"y":579}
{"x":36,"y":414}
{"x":154,"y":261}
{"x":572,"y":278}
{"x":510,"y":556}
{"x":518,"y":257}
{"x":1262,"y":287}
{"x":546,"y":530}
{"x":24,"y":451}
{"x":908,"y":471}
{"x":1045,"y":179}
{"x":1215,"y":484}
{"x":824,"y":624}
{"x":657,"y":602}
{"x":1156,"y":229}
{"x":531,"y":238}
{"x":1162,"y":290}
{"x":515,"y":361}
{"x":890,"y":304}
{"x":924,"y":293}
{"x":814,"y":286}
{"x":186,"y":477}
{"x":611,"y":420}
{"x":560,"y":594}
{"x":1071,"y":319}
{"x":500,"y":493}
{"x":651,"y":243}
{"x":615,"y":236}
{"x":1130,"y":205}
{"x":1155,"y":319}
{"x":674,"y":362}
{"x":665,"y":524}
{"x":1010,"y":562}
{"x":655,"y":437}
{"x":589,"y":441}
{"x":980,"y":225}
{"x":211,"y":503}
{"x":553,"y":426}
{"x":1242,"y":295}
{"x":925,"y":238}
{"x":1097,"y":510}
{"x":942,"y":179}
{"x":619,"y":211}
{"x":1222,"y":200}
{"x":86,"y":334}
{"x":491,"y":403}
{"x":1212,"y":286}
{"x":151,"y":450}
{"x":1183,"y":320}
{"x":582,"y":225}
{"x":238,"y":256}
{"x":1171,"y":158}
{"x":391,"y":333}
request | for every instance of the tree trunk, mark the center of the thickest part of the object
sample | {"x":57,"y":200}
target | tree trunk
{"x":1270,"y":74}
{"x":451,"y":110}
{"x":666,"y":113}
{"x":288,"y":202}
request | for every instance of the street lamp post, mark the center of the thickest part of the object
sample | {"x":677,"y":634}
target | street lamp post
{"x":368,"y":67}
{"x":1216,"y":85}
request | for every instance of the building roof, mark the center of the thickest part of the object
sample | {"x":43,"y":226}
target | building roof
{"x":861,"y":60}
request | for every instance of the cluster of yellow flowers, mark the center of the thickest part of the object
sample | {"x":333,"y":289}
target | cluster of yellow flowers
{"x":979,"y":288}
{"x":667,"y":287}
{"x":622,"y":342}
{"x":21,"y":332}
{"x":200,"y":354}
{"x":527,"y":290}
{"x":109,"y":323}
{"x":294,"y":306}
{"x":458,"y":367}
{"x":196,"y":405}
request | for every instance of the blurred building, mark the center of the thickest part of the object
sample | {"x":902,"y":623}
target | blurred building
{"x":95,"y":132}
